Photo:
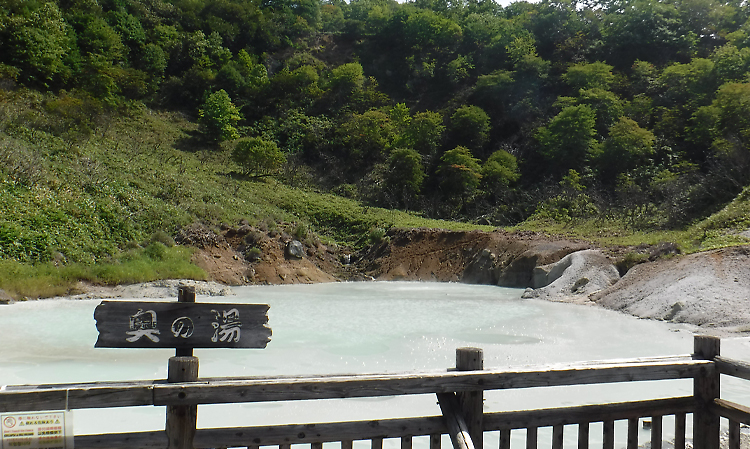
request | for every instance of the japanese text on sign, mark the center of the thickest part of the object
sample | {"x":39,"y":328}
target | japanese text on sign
{"x":38,"y":430}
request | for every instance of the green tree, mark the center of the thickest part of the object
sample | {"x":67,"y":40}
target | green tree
{"x":568,"y":141}
{"x":257,"y":157}
{"x":219,"y":116}
{"x":405,"y":175}
{"x":459,"y":173}
{"x":499,"y":171}
{"x":470,"y":127}
{"x":595,"y":75}
{"x":627,"y":147}
{"x":424,"y":132}
{"x":37,"y":42}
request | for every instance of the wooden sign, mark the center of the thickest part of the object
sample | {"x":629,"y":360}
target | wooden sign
{"x":127,"y":324}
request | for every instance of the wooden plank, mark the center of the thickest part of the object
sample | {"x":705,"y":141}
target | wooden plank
{"x":680,"y":429}
{"x":706,"y":388}
{"x":137,"y":324}
{"x":471,"y":403}
{"x":532,"y":434}
{"x":587,"y":413}
{"x":319,"y":433}
{"x":347,"y":444}
{"x":86,"y":396}
{"x":734,"y":434}
{"x":250,"y":389}
{"x":436,"y":441}
{"x":583,"y":435}
{"x":406,"y":442}
{"x":504,"y":441}
{"x":609,"y":435}
{"x":457,"y":428}
{"x":732,"y":367}
{"x":656,"y":432}
{"x":731,"y":410}
{"x":373,"y":385}
{"x":558,"y":433}
{"x":633,"y":433}
{"x":316,"y":446}
{"x":377,"y":443}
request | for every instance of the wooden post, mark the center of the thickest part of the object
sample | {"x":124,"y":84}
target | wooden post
{"x":706,"y":389}
{"x":471,"y":402}
{"x":185,"y":294}
{"x":609,"y":435}
{"x":183,"y":367}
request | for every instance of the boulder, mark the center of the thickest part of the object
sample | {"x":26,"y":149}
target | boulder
{"x":294,"y":250}
{"x":574,"y":278}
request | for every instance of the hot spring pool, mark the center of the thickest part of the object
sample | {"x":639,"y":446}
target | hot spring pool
{"x":357,"y":328}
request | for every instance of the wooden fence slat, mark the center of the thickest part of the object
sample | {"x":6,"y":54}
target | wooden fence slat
{"x":504,"y":442}
{"x":730,"y":410}
{"x":558,"y":433}
{"x":633,"y":433}
{"x":406,"y":442}
{"x":680,"y":429}
{"x":325,"y":387}
{"x":656,"y":432}
{"x":734,"y":434}
{"x":377,"y":443}
{"x":316,"y":445}
{"x":319,"y":433}
{"x":732,"y":367}
{"x":609,"y":434}
{"x":583,"y":435}
{"x":347,"y":444}
{"x":587,"y":413}
{"x":436,"y":440}
{"x":20,"y":398}
{"x":532,"y":436}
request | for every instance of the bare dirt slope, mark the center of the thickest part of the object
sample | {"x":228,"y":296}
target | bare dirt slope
{"x":710,"y":290}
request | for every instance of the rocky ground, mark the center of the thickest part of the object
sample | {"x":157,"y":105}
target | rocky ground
{"x":710,"y":290}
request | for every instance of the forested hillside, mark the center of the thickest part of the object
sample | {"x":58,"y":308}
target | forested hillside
{"x":634,"y":111}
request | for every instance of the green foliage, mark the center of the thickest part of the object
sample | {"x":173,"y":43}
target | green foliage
{"x":37,"y":43}
{"x":567,"y":142}
{"x":499,"y":171}
{"x":596,"y":75}
{"x":627,"y":147}
{"x":470,"y":127}
{"x":258,"y":157}
{"x":405,"y":175}
{"x":459,"y":173}
{"x":219,"y":116}
{"x":424,"y":132}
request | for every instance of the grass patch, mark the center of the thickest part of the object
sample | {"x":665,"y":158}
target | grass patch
{"x":42,"y":280}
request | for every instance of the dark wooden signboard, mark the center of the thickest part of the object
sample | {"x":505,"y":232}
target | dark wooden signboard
{"x":128,"y":324}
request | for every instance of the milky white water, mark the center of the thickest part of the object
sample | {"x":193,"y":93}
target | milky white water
{"x":358,"y":328}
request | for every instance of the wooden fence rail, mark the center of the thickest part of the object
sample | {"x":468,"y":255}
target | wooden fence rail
{"x":458,"y":392}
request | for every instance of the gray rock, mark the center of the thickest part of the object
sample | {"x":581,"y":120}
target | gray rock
{"x":574,"y":277}
{"x":294,"y":250}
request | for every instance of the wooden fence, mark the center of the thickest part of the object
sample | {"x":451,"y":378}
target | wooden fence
{"x":459,"y":392}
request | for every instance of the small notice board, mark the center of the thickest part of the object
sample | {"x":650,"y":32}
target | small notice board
{"x":36,"y":430}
